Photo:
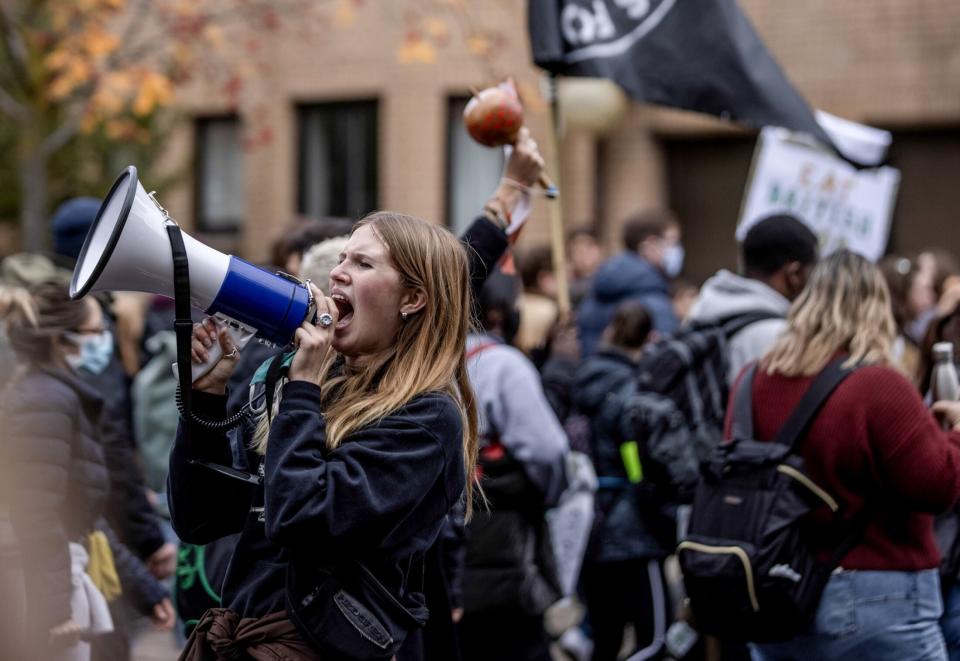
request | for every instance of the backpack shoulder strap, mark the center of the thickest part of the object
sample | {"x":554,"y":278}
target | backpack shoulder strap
{"x":818,"y":392}
{"x":736,"y":323}
{"x":743,"y":406}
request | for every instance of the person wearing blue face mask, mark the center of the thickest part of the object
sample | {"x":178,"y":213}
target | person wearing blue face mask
{"x":128,"y":508}
{"x":96,"y":350}
{"x":56,"y":481}
{"x":652,"y":257}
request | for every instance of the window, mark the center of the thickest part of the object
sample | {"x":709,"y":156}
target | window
{"x":220,"y":199}
{"x":337,"y":158}
{"x":928,"y":158}
{"x":705,"y":182}
{"x":473,"y":171}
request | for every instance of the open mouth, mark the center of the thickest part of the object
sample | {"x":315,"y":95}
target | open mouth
{"x":345,"y":309}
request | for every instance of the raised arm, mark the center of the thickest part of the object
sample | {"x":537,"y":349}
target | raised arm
{"x":504,"y":213}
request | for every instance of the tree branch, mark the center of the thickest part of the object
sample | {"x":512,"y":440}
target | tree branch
{"x":63,"y":133}
{"x":13,"y":44}
{"x":11,"y":107}
{"x":137,"y":20}
{"x":131,"y":51}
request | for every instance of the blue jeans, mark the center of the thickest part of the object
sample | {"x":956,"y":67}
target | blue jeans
{"x":950,"y":622}
{"x":875,"y":615}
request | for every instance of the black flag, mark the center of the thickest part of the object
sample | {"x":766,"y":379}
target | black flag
{"x":700,"y":55}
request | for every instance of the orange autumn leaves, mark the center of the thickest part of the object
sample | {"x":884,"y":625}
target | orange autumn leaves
{"x":89,"y":54}
{"x":445,"y":21}
{"x":86,"y":66}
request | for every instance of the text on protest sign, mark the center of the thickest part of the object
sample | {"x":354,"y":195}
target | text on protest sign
{"x":845,"y":207}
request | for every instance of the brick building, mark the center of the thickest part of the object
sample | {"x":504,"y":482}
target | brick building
{"x":353,"y":128}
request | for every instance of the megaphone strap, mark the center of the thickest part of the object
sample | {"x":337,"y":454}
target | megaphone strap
{"x":183,"y":327}
{"x":183,"y":323}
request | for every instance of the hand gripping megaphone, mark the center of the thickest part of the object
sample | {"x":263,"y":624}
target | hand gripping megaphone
{"x":128,"y":249}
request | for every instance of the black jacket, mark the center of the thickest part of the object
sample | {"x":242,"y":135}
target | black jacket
{"x":621,"y":530}
{"x":127,"y":508}
{"x":381,"y":497}
{"x":58,"y":489}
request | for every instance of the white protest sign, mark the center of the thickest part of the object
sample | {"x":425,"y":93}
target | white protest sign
{"x":845,"y":207}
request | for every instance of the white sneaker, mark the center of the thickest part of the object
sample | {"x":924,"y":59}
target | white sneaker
{"x":575,"y":643}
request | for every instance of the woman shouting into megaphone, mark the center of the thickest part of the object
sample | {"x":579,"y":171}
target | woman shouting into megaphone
{"x":368,"y":439}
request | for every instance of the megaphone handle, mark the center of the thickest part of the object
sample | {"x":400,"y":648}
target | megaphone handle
{"x":241,"y":336}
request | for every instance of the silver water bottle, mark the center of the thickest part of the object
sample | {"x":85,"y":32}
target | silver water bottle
{"x":944,"y":384}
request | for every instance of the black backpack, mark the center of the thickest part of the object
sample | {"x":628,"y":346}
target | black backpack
{"x":676,"y":407}
{"x":747,"y":568}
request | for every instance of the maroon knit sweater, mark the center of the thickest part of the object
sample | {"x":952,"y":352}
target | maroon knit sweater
{"x":873,"y":440}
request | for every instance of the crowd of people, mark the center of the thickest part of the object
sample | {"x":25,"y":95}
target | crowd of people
{"x":445,"y":464}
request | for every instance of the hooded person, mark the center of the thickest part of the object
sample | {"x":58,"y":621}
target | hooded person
{"x":777,"y":255}
{"x":69,"y":225}
{"x":652,"y":256}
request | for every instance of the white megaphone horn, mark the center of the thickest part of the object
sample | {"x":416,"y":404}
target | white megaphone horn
{"x":128,"y":249}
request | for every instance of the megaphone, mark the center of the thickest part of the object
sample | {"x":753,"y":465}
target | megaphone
{"x":128,"y":249}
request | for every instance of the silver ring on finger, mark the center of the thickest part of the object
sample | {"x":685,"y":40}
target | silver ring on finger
{"x":325,"y":320}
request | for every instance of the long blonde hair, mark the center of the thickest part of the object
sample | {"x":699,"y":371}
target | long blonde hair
{"x":844,"y":307}
{"x":428,"y":351}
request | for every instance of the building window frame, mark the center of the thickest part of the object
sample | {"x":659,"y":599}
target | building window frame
{"x":454,"y":133}
{"x":344,"y":198}
{"x":230,"y":224}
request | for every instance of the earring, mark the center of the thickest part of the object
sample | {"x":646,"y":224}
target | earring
{"x":404,"y":315}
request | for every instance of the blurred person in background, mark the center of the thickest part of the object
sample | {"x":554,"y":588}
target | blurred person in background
{"x":652,"y":256}
{"x":776,"y":257}
{"x":128,"y":507}
{"x":538,"y":301}
{"x":946,"y":328}
{"x":878,"y":451}
{"x":623,"y":576}
{"x":946,"y":279}
{"x":300,"y":235}
{"x":510,"y":574}
{"x":73,"y":563}
{"x":684,"y":295}
{"x":920,"y":295}
{"x":69,"y":225}
{"x":944,"y":266}
{"x":585,"y":254}
{"x":321,"y":258}
{"x":911,"y":294}
{"x":12,"y":605}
